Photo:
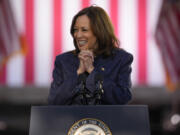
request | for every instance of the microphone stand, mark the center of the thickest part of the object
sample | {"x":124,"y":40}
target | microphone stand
{"x":99,"y":91}
{"x":82,"y":91}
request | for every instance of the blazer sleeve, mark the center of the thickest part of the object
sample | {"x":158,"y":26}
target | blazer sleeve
{"x":61,"y":91}
{"x":117,"y":91}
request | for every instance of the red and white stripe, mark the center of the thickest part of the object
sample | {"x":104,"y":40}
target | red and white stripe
{"x":46,"y":24}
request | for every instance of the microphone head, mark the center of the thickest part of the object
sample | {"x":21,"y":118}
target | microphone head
{"x":98,"y":77}
{"x":82,"y":77}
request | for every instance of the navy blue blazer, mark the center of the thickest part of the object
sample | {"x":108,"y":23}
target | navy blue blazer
{"x":115,"y":69}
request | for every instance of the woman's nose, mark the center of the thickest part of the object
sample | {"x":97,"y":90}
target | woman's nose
{"x":79,"y":34}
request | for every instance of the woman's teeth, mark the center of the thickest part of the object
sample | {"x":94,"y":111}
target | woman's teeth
{"x":82,"y":42}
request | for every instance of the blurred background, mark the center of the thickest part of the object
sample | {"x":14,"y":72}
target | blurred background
{"x":33,"y":32}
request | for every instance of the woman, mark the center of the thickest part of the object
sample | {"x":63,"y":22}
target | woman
{"x":97,"y":71}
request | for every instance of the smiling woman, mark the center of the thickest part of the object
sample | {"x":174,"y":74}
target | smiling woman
{"x":97,"y":71}
{"x":83,"y":34}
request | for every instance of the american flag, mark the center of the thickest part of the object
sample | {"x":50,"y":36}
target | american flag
{"x":168,"y":39}
{"x":10,"y":39}
{"x":46,"y":24}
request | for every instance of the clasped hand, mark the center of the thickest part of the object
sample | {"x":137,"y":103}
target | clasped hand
{"x":86,"y":58}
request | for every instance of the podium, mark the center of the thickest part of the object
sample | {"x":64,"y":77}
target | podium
{"x":90,"y":120}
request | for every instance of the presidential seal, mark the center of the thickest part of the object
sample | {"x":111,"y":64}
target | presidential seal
{"x":89,"y":126}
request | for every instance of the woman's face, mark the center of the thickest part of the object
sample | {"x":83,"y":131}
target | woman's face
{"x":83,"y":34}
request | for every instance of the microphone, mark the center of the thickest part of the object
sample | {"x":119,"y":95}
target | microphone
{"x":81,"y":88}
{"x":99,"y":88}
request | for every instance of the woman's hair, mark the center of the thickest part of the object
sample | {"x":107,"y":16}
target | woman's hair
{"x":102,"y":29}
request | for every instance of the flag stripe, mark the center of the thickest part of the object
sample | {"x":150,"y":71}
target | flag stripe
{"x":57,"y":27}
{"x":114,"y":15}
{"x":128,"y":31}
{"x":85,"y":3}
{"x":69,"y":10}
{"x":142,"y":46}
{"x":3,"y":75}
{"x":43,"y":42}
{"x":153,"y":66}
{"x":29,"y":30}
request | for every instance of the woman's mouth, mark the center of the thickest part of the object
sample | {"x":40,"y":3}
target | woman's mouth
{"x":82,"y":43}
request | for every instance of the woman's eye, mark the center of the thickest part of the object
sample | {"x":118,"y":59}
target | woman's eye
{"x":84,"y":30}
{"x":75,"y":30}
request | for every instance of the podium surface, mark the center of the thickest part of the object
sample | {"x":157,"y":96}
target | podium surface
{"x":69,"y":120}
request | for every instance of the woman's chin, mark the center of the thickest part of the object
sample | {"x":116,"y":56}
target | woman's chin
{"x":83,"y":48}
